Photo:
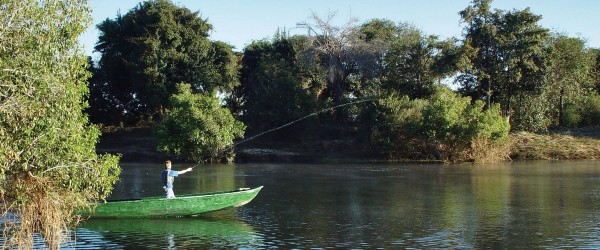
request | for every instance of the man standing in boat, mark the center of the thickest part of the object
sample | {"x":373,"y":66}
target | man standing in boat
{"x":168,"y":176}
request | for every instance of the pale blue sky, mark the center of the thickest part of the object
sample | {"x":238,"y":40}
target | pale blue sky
{"x":239,"y":22}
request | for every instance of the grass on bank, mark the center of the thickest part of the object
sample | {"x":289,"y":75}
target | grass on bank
{"x":529,"y":146}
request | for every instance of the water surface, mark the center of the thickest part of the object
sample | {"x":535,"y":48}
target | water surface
{"x":539,"y":204}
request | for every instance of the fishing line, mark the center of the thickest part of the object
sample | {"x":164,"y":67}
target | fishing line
{"x":294,"y":121}
{"x":302,"y":118}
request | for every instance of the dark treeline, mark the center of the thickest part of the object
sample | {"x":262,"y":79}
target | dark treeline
{"x":509,"y":73}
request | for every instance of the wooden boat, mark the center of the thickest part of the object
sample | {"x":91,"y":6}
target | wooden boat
{"x":184,"y":205}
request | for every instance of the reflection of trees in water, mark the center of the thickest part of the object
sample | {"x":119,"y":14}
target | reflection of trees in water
{"x":509,"y":205}
{"x":426,"y":206}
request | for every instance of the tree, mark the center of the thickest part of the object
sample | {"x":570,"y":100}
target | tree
{"x":49,"y":168}
{"x":480,"y":33}
{"x":331,"y":47}
{"x":273,"y":86}
{"x":570,"y":74}
{"x":103,"y":107}
{"x":154,"y":46}
{"x":507,"y":58}
{"x":197,"y":128}
{"x":413,"y":63}
{"x":379,"y":29}
{"x":522,"y":61}
{"x":372,"y":43}
{"x":348,"y":56}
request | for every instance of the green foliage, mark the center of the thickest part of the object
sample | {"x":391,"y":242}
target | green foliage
{"x":506,"y":54}
{"x":442,"y":127}
{"x":571,"y":117}
{"x":198,"y":128}
{"x":273,"y":88}
{"x":586,"y":112}
{"x":412,"y":63}
{"x":530,"y":114}
{"x":379,"y":29}
{"x":452,"y":123}
{"x":49,"y":166}
{"x":397,"y":128}
{"x":151,"y":48}
{"x":590,"y":110}
{"x":570,"y":79}
{"x":595,"y":52}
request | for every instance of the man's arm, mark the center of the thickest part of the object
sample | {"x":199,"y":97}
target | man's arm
{"x":185,"y":171}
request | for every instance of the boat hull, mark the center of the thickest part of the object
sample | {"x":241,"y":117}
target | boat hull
{"x":185,"y":205}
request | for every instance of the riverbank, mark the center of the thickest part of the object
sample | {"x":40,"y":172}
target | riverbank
{"x":575,"y":144}
{"x":138,"y":144}
{"x":132,"y":143}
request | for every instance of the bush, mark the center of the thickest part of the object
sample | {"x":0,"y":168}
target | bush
{"x":571,"y":117}
{"x":530,"y":113}
{"x":453,"y":124}
{"x":446,"y":127}
{"x":198,"y":128}
{"x":49,"y":168}
{"x":590,"y":110}
{"x":398,"y":122}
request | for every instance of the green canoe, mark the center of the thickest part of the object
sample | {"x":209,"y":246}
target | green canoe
{"x":184,"y":205}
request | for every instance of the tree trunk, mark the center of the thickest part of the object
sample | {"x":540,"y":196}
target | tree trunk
{"x":488,"y":94}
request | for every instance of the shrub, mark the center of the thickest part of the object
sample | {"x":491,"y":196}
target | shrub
{"x":399,"y":121}
{"x":49,"y":168}
{"x":571,"y":117}
{"x":445,"y":127}
{"x":530,"y":113}
{"x":452,"y":124}
{"x":198,"y":128}
{"x":590,"y":110}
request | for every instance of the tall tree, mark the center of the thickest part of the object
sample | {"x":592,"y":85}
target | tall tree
{"x":480,"y":34}
{"x":275,"y":88}
{"x":521,"y":57}
{"x":413,"y":63}
{"x":570,"y":74}
{"x":330,"y":43}
{"x":49,"y":167}
{"x":346,"y":53}
{"x":156,"y":45}
{"x":507,"y":57}
{"x":350,"y":63}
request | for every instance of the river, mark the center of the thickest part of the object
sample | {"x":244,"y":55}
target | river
{"x":516,"y":205}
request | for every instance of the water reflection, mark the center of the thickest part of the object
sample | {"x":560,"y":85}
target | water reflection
{"x":512,"y":205}
{"x":184,"y":233}
{"x":518,"y":205}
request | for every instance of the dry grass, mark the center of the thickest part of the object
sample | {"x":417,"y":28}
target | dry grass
{"x":46,"y":210}
{"x":553,"y":147}
{"x":484,"y":151}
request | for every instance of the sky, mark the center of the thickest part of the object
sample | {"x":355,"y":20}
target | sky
{"x":239,"y":22}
